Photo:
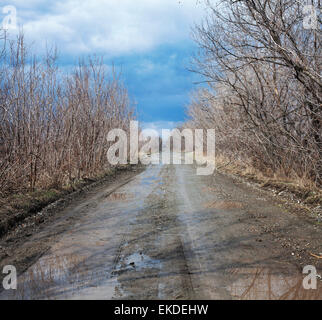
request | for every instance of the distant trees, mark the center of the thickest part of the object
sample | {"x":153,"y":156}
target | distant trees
{"x":264,"y":74}
{"x":53,"y":125}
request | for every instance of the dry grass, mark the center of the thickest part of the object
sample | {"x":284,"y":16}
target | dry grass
{"x":303,"y":188}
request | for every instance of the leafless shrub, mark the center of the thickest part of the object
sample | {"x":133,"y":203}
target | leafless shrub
{"x":54,"y":125}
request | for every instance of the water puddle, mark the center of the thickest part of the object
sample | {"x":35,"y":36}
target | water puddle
{"x":50,"y":276}
{"x":120,"y":196}
{"x":150,"y":180}
{"x":65,"y":277}
{"x":136,"y":262}
{"x":263,"y":284}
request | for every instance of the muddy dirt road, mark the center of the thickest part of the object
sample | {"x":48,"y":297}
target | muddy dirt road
{"x":170,"y":234}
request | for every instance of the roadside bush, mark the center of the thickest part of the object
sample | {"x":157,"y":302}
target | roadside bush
{"x":53,"y":124}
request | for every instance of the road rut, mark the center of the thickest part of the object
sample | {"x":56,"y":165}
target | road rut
{"x":170,"y":234}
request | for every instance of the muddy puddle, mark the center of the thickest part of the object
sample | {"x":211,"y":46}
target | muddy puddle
{"x":137,"y":262}
{"x":160,"y":237}
{"x":59,"y":277}
{"x":120,"y":196}
{"x":69,"y":277}
{"x":265,"y":284}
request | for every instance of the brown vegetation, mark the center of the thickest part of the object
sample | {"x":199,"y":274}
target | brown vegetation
{"x":53,"y":125}
{"x":264,"y":95}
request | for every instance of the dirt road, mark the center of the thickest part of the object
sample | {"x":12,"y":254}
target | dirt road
{"x":170,"y":234}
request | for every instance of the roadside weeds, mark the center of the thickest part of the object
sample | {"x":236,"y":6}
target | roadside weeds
{"x":301,"y":195}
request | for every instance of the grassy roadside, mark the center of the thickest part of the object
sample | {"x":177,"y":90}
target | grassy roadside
{"x":15,"y":208}
{"x":298,"y":191}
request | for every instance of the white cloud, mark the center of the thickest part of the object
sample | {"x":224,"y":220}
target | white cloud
{"x":110,"y":26}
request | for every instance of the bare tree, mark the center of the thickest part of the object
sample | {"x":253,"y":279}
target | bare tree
{"x":54,"y":125}
{"x":264,"y":73}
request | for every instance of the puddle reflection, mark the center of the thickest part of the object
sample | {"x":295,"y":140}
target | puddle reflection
{"x":120,"y":196}
{"x":61,"y":277}
{"x":262,"y":284}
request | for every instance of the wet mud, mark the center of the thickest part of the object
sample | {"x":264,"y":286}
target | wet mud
{"x":170,"y":234}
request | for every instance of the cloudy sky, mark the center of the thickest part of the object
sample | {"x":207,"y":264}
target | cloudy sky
{"x":149,"y":40}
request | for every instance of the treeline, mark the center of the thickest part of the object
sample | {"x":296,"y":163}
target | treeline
{"x":54,"y":123}
{"x":262,"y":62}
